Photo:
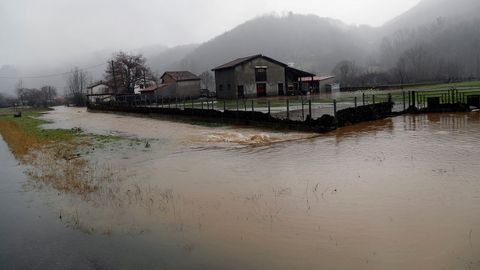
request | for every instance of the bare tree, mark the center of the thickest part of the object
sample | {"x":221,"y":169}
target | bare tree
{"x":6,"y":101}
{"x":207,"y":80}
{"x":401,"y":71}
{"x":20,"y":91}
{"x":77,"y":86}
{"x":347,"y":72}
{"x":126,"y":71}
{"x":47,"y":94}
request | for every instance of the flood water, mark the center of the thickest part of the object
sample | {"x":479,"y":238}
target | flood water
{"x":399,"y":193}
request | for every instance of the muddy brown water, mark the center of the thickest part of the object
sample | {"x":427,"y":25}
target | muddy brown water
{"x":400,"y":193}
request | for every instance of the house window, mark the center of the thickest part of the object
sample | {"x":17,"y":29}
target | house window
{"x":229,"y":87}
{"x":261,"y":74}
{"x":220,"y":87}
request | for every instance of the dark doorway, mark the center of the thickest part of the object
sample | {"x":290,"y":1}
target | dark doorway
{"x":261,"y":74}
{"x":240,"y":91}
{"x":280,"y":89}
{"x":261,"y":89}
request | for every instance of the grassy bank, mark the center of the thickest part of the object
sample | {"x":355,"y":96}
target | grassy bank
{"x":52,"y":154}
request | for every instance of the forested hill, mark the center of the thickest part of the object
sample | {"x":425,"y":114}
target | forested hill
{"x":435,"y":40}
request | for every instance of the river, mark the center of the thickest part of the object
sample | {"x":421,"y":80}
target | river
{"x":399,"y":193}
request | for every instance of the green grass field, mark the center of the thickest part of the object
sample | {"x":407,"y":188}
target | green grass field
{"x":30,"y":124}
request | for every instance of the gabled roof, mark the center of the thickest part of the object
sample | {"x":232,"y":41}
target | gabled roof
{"x":181,"y":76}
{"x":97,"y":84}
{"x":242,"y":60}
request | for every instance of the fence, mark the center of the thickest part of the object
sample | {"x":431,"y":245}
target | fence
{"x":295,"y":108}
{"x":299,"y":111}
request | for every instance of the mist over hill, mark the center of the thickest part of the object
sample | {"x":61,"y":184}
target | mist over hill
{"x":435,"y":40}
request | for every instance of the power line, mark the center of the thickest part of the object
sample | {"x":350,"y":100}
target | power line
{"x":50,"y":75}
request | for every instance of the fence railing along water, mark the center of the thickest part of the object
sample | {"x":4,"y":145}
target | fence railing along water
{"x":368,"y":105}
{"x":296,"y":108}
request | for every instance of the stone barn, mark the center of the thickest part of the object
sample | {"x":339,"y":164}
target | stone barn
{"x":175,"y":84}
{"x":257,"y":76}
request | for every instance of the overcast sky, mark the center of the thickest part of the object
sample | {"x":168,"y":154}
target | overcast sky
{"x":37,"y":31}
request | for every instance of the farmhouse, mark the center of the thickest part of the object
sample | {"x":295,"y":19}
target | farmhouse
{"x":257,"y":76}
{"x":99,"y":90}
{"x":175,"y":84}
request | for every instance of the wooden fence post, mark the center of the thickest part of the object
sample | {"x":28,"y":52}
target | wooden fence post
{"x":335,"y":107}
{"x":373,"y":99}
{"x":414,"y":99}
{"x":303,"y":111}
{"x":252,"y":106}
{"x":310,"y":109}
{"x":363,"y":99}
{"x":288,"y":109}
{"x":355,"y":101}
{"x":268,"y":103}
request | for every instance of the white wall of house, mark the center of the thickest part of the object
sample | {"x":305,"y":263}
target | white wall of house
{"x":99,"y":89}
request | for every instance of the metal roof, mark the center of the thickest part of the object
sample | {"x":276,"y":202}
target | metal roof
{"x":181,"y":76}
{"x":316,"y":78}
{"x":297,"y":72}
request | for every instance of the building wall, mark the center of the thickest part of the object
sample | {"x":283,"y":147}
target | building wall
{"x":100,"y":89}
{"x":182,"y":89}
{"x":167,"y":79}
{"x":223,"y":78}
{"x":324,"y":85}
{"x":188,"y":89}
{"x":167,"y":92}
{"x":244,"y":75}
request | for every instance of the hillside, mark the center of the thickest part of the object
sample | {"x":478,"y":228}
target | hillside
{"x":312,"y":43}
{"x":430,"y":11}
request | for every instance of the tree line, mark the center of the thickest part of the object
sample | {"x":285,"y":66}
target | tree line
{"x":444,"y":51}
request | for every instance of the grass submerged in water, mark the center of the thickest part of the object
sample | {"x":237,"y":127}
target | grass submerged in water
{"x":52,"y":154}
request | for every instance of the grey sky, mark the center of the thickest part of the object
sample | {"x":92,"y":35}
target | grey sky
{"x":50,"y":31}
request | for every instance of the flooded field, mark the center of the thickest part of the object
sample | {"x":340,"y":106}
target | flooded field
{"x":400,"y":193}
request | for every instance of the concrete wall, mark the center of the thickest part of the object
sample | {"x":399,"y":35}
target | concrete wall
{"x":188,"y":89}
{"x":182,"y":89}
{"x":100,"y":89}
{"x":224,"y":78}
{"x":244,"y":75}
{"x":324,"y":83}
{"x":167,"y":92}
{"x":167,"y":79}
